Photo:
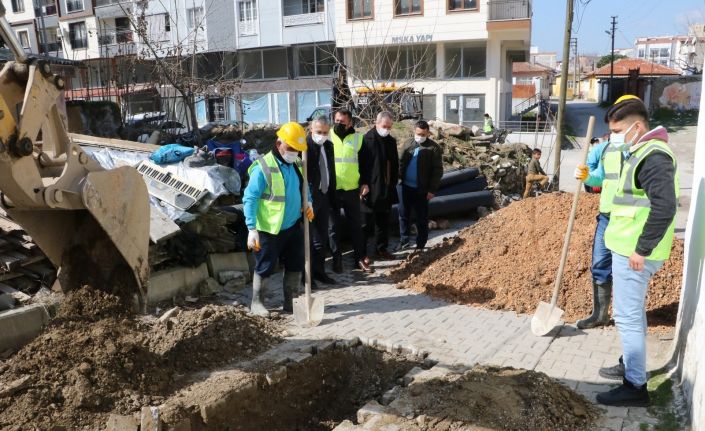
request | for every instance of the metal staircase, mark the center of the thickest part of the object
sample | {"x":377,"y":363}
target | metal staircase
{"x":527,"y":105}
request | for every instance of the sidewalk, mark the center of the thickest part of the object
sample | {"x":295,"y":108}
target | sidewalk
{"x":370,"y":307}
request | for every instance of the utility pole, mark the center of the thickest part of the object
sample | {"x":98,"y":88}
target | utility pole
{"x":564,"y":89}
{"x":574,"y":48}
{"x":611,"y":33}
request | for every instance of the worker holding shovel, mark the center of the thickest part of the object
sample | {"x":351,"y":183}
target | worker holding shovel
{"x":273,"y":207}
{"x":640,"y":235}
{"x":602,"y":170}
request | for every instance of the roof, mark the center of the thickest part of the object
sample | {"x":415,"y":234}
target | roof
{"x":646,"y":68}
{"x":530,"y":68}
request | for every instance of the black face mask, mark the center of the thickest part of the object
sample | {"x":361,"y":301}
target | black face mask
{"x":340,"y":129}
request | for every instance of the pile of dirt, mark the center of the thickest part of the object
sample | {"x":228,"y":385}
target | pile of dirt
{"x":508,"y":261}
{"x":488,"y":398}
{"x":97,"y":358}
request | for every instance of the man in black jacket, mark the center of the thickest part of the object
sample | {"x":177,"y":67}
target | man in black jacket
{"x":420,"y":173}
{"x":383,"y":170}
{"x":321,"y":180}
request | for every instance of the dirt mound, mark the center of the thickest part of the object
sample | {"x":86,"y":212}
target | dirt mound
{"x":96,"y":358}
{"x":508,"y":261}
{"x":492,"y":399}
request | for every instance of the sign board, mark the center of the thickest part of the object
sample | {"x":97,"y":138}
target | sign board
{"x":472,"y":103}
{"x":414,"y":38}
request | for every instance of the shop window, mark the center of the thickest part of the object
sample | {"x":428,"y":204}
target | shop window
{"x":466,"y":61}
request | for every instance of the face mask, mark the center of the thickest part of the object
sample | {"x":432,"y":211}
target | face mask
{"x":419,"y":139}
{"x":619,"y":140}
{"x":340,"y":129}
{"x":383,"y":132}
{"x":290,"y":156}
{"x":319,"y":139}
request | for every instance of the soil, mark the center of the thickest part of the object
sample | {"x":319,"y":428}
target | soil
{"x":508,"y":261}
{"x":96,"y":358}
{"x":488,"y":398}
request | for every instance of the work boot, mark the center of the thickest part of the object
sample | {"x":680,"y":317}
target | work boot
{"x":615,"y":372}
{"x":601,"y":297}
{"x":338,"y":264}
{"x":292,"y":282}
{"x":324,"y":278}
{"x":627,"y":395}
{"x":259,"y":285}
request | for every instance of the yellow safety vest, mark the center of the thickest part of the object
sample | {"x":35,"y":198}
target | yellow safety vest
{"x":270,"y":211}
{"x":488,"y":126}
{"x":347,"y":169}
{"x":631,"y":207}
{"x":611,"y":163}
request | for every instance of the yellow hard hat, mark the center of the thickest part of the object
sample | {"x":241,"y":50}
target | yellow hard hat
{"x":293,"y":135}
{"x":626,"y":97}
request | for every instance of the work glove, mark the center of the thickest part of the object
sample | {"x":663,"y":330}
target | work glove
{"x":581,"y":172}
{"x":309,"y":212}
{"x":253,"y":240}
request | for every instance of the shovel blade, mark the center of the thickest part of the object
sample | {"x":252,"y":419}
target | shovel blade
{"x":308,"y":315}
{"x":546,"y":318}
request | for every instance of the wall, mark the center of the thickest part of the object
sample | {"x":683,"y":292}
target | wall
{"x":690,"y":328}
{"x":680,"y":93}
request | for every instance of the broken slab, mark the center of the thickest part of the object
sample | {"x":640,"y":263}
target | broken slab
{"x":21,"y":325}
{"x":161,"y":227}
{"x":220,"y":262}
{"x":121,"y":423}
{"x":173,"y":282}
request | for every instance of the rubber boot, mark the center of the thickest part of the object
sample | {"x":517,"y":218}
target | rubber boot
{"x":259,"y":285}
{"x":292,"y":282}
{"x":601,"y":297}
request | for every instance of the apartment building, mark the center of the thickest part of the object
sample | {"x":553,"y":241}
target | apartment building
{"x":458,"y":52}
{"x":685,"y":53}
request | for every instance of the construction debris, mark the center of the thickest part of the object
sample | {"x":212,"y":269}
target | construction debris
{"x":508,"y":261}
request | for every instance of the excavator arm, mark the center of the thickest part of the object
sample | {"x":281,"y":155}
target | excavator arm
{"x":92,"y":223}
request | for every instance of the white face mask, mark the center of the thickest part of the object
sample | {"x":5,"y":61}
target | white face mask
{"x":419,"y":139}
{"x":619,"y":140}
{"x":319,"y":139}
{"x":290,"y":156}
{"x":382,"y":132}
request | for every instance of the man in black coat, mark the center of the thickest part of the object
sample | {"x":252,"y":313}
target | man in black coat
{"x":321,"y":181}
{"x":383,"y":168}
{"x":420,"y":173}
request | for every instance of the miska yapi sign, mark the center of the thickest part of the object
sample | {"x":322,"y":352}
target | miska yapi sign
{"x":414,"y":38}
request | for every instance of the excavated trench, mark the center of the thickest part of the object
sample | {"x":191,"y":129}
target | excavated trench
{"x":311,"y":387}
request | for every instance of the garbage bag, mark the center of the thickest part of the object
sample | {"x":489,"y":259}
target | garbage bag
{"x":171,"y":153}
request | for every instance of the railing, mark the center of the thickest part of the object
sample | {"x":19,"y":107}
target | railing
{"x":527,"y":104}
{"x":303,"y":19}
{"x":502,"y":10}
{"x":111,"y":37}
{"x":45,"y":8}
{"x":53,"y":47}
{"x":99,"y":3}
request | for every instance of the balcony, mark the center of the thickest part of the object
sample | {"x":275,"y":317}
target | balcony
{"x":304,"y":19}
{"x":112,"y":37}
{"x":248,"y":28}
{"x":45,"y":8}
{"x":507,"y":10}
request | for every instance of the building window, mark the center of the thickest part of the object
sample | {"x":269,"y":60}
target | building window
{"x":315,"y":60}
{"x":167,"y":22}
{"x":265,"y":108}
{"x":247,"y":10}
{"x":465,"y":109}
{"x":274,"y":63}
{"x":409,"y":62}
{"x":23,"y":36}
{"x":300,"y":7}
{"x":360,"y":9}
{"x":250,"y":64}
{"x":466,"y":61}
{"x":18,"y":6}
{"x":194,"y":17}
{"x":308,"y":101}
{"x":641,"y":52}
{"x":455,"y":5}
{"x":78,"y":37}
{"x":408,"y":7}
{"x":52,"y":43}
{"x":74,"y":5}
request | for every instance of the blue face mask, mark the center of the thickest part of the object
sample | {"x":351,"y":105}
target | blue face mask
{"x":619,"y":140}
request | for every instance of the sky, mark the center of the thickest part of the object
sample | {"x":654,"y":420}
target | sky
{"x":635,"y":18}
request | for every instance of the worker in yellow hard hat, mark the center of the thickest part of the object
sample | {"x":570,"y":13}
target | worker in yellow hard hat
{"x":602,"y":170}
{"x":273,"y":208}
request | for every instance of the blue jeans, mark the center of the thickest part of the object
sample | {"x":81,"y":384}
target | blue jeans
{"x":601,"y":255}
{"x":629,"y":291}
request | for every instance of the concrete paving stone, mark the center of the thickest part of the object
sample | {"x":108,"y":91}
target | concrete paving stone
{"x":610,"y":423}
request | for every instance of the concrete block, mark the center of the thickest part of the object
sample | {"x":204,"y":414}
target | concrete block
{"x":150,"y":419}
{"x":372,"y":408}
{"x":209,"y":287}
{"x":218,"y":262}
{"x":21,"y":325}
{"x":276,"y":376}
{"x":172,"y":282}
{"x":121,"y":423}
